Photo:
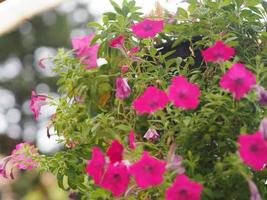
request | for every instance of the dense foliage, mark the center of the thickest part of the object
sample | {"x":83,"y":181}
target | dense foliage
{"x":91,"y":113}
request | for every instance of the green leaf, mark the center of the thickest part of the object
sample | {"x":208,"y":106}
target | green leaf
{"x":182,"y":12}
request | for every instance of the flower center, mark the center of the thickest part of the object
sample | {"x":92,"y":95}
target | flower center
{"x":153,"y":104}
{"x":148,"y":27}
{"x":116,"y":177}
{"x":148,"y":168}
{"x":254,"y":148}
{"x":181,"y":95}
{"x":239,"y":81}
{"x":183,"y":192}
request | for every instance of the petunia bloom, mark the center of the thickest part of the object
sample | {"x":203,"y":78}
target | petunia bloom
{"x":87,"y":53}
{"x":116,"y":179}
{"x":123,"y":90}
{"x":238,"y":80}
{"x":148,"y":28}
{"x":253,"y":150}
{"x":148,"y":171}
{"x":254,"y":192}
{"x":184,"y":94}
{"x":96,"y":166}
{"x":218,"y":52}
{"x":132,"y":144}
{"x":184,"y":189}
{"x":115,"y":152}
{"x":153,"y":99}
{"x":37,"y":101}
{"x":151,"y":135}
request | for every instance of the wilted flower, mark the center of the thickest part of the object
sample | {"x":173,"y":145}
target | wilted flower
{"x":152,"y":100}
{"x":262,"y":94}
{"x":22,"y":157}
{"x":184,"y":94}
{"x":253,"y":150}
{"x":254,"y":192}
{"x":184,"y":189}
{"x":148,"y":28}
{"x":148,"y":171}
{"x":124,"y":69}
{"x":123,"y":90}
{"x":37,"y":101}
{"x":117,"y":43}
{"x":263,"y":128}
{"x":238,"y":80}
{"x":218,"y":52}
{"x":116,"y":179}
{"x":84,"y":51}
{"x":151,"y":135}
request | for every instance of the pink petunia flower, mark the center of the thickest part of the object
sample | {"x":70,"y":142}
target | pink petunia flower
{"x":87,"y":53}
{"x":148,"y":28}
{"x":184,"y":189}
{"x":118,"y":42}
{"x":96,"y":166}
{"x":184,"y":94}
{"x":218,"y":53}
{"x":148,"y":171}
{"x":123,"y":90}
{"x":132,"y":144}
{"x":253,"y":150}
{"x":115,"y":152}
{"x":151,"y":135}
{"x":238,"y":80}
{"x":37,"y":101}
{"x":152,"y":100}
{"x":116,"y":179}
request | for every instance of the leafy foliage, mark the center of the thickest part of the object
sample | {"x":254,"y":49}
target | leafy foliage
{"x":205,"y":137}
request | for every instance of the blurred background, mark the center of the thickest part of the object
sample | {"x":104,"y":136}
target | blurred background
{"x":20,"y":52}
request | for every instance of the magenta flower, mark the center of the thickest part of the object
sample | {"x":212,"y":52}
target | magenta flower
{"x":124,"y":69}
{"x":254,"y":192}
{"x":152,"y":100}
{"x":151,"y":135}
{"x":87,"y":53}
{"x":96,"y":166}
{"x":184,"y":189}
{"x":132,"y":144}
{"x":148,"y":28}
{"x":37,"y":101}
{"x":123,"y":90}
{"x":148,"y":171}
{"x":118,"y":42}
{"x":116,"y":179}
{"x":184,"y":94}
{"x":238,"y":80}
{"x":115,"y":152}
{"x":253,"y":150}
{"x":218,"y":53}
